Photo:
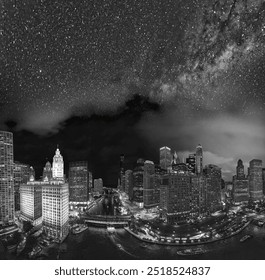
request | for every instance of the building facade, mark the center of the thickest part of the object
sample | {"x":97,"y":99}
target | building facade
{"x":31,"y":202}
{"x":129,"y":183}
{"x":191,"y":162}
{"x":165,"y":157}
{"x":7,"y":204}
{"x":175,"y":197}
{"x":199,"y":160}
{"x":79,"y":182}
{"x":138,"y":183}
{"x":21,"y":176}
{"x":98,"y":186}
{"x":149,"y":185}
{"x":55,"y":209}
{"x":240,"y":193}
{"x":255,"y":180}
{"x":213,"y":177}
{"x":58,"y":166}
{"x":47,"y":172}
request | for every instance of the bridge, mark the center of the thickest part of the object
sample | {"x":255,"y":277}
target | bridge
{"x":100,"y":220}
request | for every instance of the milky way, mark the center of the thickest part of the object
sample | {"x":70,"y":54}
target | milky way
{"x":196,"y":60}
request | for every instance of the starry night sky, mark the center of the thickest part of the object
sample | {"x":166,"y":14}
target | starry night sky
{"x":101,"y":78}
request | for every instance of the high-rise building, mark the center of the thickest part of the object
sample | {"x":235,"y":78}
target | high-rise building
{"x":263,"y":178}
{"x":122,"y":174}
{"x":55,"y":209}
{"x":31,"y":202}
{"x":255,"y":180}
{"x":165,"y":157}
{"x":47,"y":172}
{"x":138,"y":181}
{"x":149,"y":184}
{"x":240,"y":191}
{"x":175,"y":196}
{"x":21,"y":176}
{"x":98,"y":186}
{"x":31,"y":172}
{"x":191,"y":162}
{"x":129,"y":183}
{"x":58,"y":166}
{"x":55,"y":202}
{"x":198,"y":196}
{"x":6,"y":178}
{"x":213,"y":176}
{"x":79,"y":178}
{"x":199,"y":160}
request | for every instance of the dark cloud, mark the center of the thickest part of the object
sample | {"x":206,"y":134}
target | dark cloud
{"x":107,"y":77}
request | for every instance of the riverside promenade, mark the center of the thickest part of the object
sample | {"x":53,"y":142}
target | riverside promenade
{"x":183,"y":242}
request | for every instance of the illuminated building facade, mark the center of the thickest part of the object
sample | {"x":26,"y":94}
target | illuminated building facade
{"x":129,"y":183}
{"x":122,"y":174}
{"x":255,"y":180}
{"x":21,"y":176}
{"x":58,"y":166}
{"x":149,"y":184}
{"x":199,"y":160}
{"x":213,"y":177}
{"x":55,"y":209}
{"x":31,"y":202}
{"x":79,"y":182}
{"x":175,"y":196}
{"x":7,"y":206}
{"x":240,"y":191}
{"x":47,"y":172}
{"x":138,"y":182}
{"x":165,"y":157}
{"x":191,"y":163}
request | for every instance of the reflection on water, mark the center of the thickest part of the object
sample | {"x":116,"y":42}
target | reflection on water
{"x":97,"y":243}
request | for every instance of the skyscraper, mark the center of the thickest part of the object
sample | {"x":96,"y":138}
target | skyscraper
{"x":165,"y":157}
{"x":31,"y":202}
{"x":55,"y":209}
{"x":138,"y":181}
{"x":79,"y":182}
{"x":213,"y":176}
{"x":175,"y":196}
{"x":240,"y":191}
{"x":122,"y":175}
{"x":129,"y":183}
{"x":191,"y":162}
{"x":58,"y":166}
{"x":55,"y":202}
{"x":6,"y":178}
{"x":149,"y":184}
{"x":47,"y":172}
{"x":98,"y":186}
{"x":199,"y":160}
{"x":21,"y":176}
{"x":255,"y":180}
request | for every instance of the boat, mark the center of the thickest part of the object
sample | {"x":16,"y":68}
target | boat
{"x":191,"y":252}
{"x":143,"y":245}
{"x":119,"y":246}
{"x":246,"y":237}
{"x":79,"y":229}
{"x":110,"y":229}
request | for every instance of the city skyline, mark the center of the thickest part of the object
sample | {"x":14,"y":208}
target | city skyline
{"x":208,"y":158}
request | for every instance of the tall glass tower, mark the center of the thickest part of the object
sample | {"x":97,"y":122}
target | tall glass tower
{"x":6,"y":178}
{"x":165,"y":157}
{"x":199,"y":160}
